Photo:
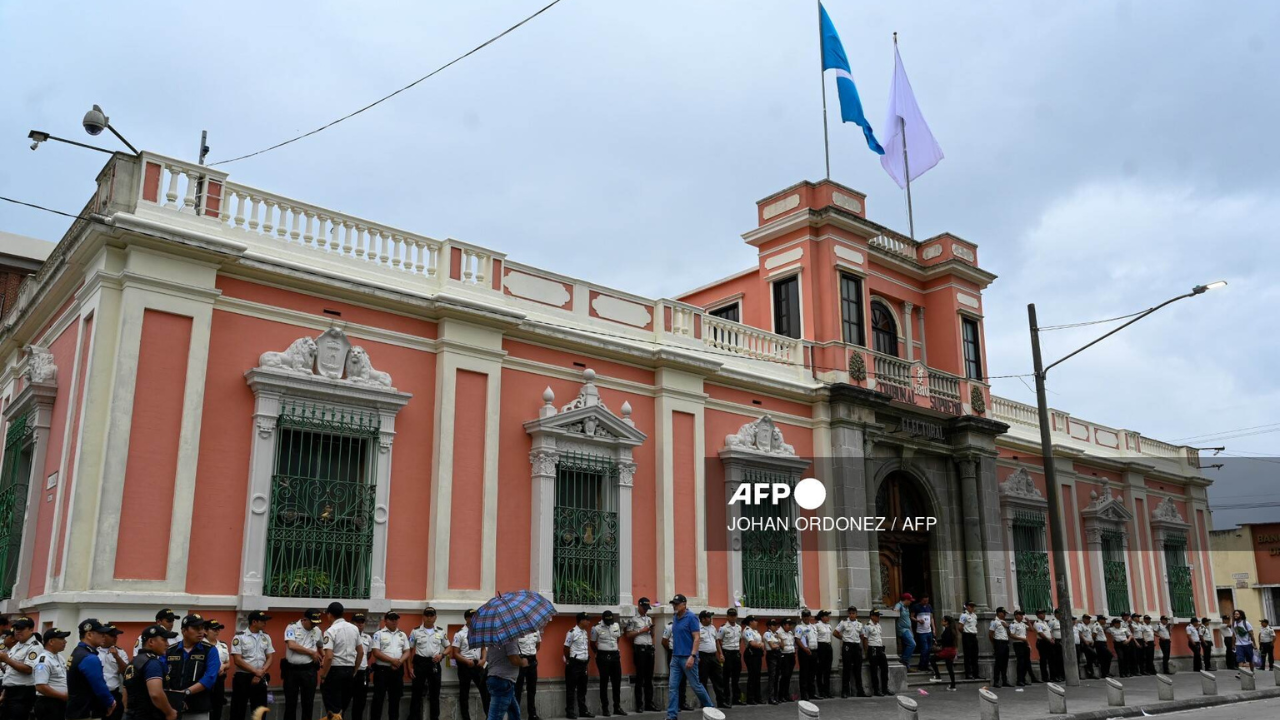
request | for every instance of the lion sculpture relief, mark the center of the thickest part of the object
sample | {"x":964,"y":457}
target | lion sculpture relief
{"x":299,"y":358}
{"x":360,"y":370}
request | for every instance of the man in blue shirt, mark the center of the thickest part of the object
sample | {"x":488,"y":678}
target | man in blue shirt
{"x":685,"y":629}
{"x":144,"y":678}
{"x":87,"y":692}
{"x":193,"y":666}
{"x":906,"y":640}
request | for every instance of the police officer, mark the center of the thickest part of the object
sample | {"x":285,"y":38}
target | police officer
{"x":969,"y":640}
{"x":1099,"y":630}
{"x":873,"y":651}
{"x":165,"y":619}
{"x":730,"y":637}
{"x":50,"y":676}
{"x":144,"y":678}
{"x":849,"y":631}
{"x":430,"y":645}
{"x":19,"y":685}
{"x":772,"y":659}
{"x":752,"y":653}
{"x":639,"y":631}
{"x":577,"y":655}
{"x":787,"y":659}
{"x":360,"y":683}
{"x":301,"y":663}
{"x":390,"y":651}
{"x":822,"y":629}
{"x":527,"y":680}
{"x":470,"y":663}
{"x":114,"y":662}
{"x":710,"y":659}
{"x":251,"y":653}
{"x":1021,"y":648}
{"x":88,"y":695}
{"x":807,"y":652}
{"x":193,"y":666}
{"x":998,"y":632}
{"x":1044,"y":646}
{"x":217,"y":699}
{"x":605,"y":636}
{"x":342,"y":653}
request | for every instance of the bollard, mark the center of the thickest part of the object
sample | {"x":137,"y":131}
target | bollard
{"x":1164,"y":685}
{"x":1057,"y":699}
{"x":710,"y":713}
{"x":807,"y":710}
{"x":988,"y":705}
{"x":907,"y":708}
{"x":1275,"y":672}
{"x":1247,"y":679}
{"x":1115,"y":692}
{"x":1208,"y":683}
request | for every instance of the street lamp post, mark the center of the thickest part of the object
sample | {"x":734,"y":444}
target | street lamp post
{"x":1057,"y":531}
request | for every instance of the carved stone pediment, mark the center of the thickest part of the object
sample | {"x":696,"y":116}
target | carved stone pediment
{"x":586,"y":418}
{"x":1020,"y":489}
{"x":40,"y":368}
{"x":1167,"y":512}
{"x":329,"y":355}
{"x":762,"y":436}
{"x":1107,"y":508}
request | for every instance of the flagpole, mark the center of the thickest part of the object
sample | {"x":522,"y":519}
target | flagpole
{"x":822,"y":78}
{"x":906,"y":165}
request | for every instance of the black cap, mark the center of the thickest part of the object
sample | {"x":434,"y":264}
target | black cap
{"x":24,"y":623}
{"x":8,"y":632}
{"x":358,"y":618}
{"x":805,"y":613}
{"x":823,"y":614}
{"x":257,"y":615}
{"x":89,"y":625}
{"x":54,"y":633}
{"x":583,"y":616}
{"x":112,"y":629}
{"x":1018,"y":612}
{"x":466,"y":614}
{"x":213,"y":625}
{"x":678,"y":599}
{"x":393,"y":615}
{"x":607,"y":615}
{"x":1115,"y":620}
{"x":1041,"y":611}
{"x":311,"y":615}
{"x":1001,"y":610}
{"x":875,"y":613}
{"x":788,"y":621}
{"x":193,"y":620}
{"x":733,"y":612}
{"x":644,"y":602}
{"x":428,"y":611}
{"x":158,"y":631}
{"x":971,"y":603}
{"x":166,"y":614}
{"x":705,"y":614}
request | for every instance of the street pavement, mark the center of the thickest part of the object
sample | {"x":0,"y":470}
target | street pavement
{"x":1257,"y":710}
{"x":1033,"y":702}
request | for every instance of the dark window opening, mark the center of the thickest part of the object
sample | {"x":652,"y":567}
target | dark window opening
{"x":851,"y":309}
{"x":728,"y":312}
{"x":972,"y":354}
{"x":884,"y":331}
{"x":786,"y":307}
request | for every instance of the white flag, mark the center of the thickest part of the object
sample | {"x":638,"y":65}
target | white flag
{"x":922,"y":151}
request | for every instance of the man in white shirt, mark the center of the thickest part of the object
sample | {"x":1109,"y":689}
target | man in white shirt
{"x":605,"y":635}
{"x":390,"y":651}
{"x":639,"y":630}
{"x":1085,"y":656}
{"x":787,"y":659}
{"x":360,"y":683}
{"x":50,"y":677}
{"x":301,"y":663}
{"x":969,"y":640}
{"x":1019,"y":639}
{"x":753,"y":653}
{"x":772,"y":659}
{"x":1122,"y":642}
{"x":823,"y":633}
{"x":430,"y":646}
{"x":1194,"y":644}
{"x":1045,"y":646}
{"x":251,"y":654}
{"x":1165,"y":638}
{"x":998,"y":632}
{"x":730,"y":637}
{"x":874,"y":652}
{"x":212,"y":632}
{"x":849,"y":631}
{"x":1149,"y":640}
{"x":342,"y":654}
{"x":577,"y":655}
{"x":470,"y":663}
{"x":527,"y":678}
{"x":19,"y":685}
{"x":1058,"y":664}
{"x":1266,"y":646}
{"x":710,"y":659}
{"x":807,"y":654}
{"x":1099,"y":630}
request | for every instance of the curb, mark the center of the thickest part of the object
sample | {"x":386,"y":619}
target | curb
{"x":1191,"y":703}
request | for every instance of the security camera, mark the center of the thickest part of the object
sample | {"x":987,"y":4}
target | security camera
{"x":95,"y":121}
{"x":38,"y":137}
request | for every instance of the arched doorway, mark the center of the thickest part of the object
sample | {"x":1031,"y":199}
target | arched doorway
{"x":905,"y":563}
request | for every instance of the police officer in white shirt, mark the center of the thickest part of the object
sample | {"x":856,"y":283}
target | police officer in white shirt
{"x":604,"y":635}
{"x":251,"y":653}
{"x":752,"y":653}
{"x":1044,"y":646}
{"x":1149,"y":643}
{"x":1099,"y":630}
{"x":822,"y":633}
{"x":577,"y":655}
{"x":302,"y":658}
{"x":1085,"y":656}
{"x":390,"y":651}
{"x":527,"y":680}
{"x":360,"y":681}
{"x":998,"y":632}
{"x":874,"y":652}
{"x":470,"y":664}
{"x":969,"y":640}
{"x":710,"y":659}
{"x":1194,"y":644}
{"x":807,"y":654}
{"x":430,"y":646}
{"x":849,"y":631}
{"x":50,"y":677}
{"x":772,"y":659}
{"x":1058,"y":665}
{"x":1122,"y":640}
{"x":212,"y":632}
{"x":1165,"y":638}
{"x":730,"y":637}
{"x":1018,"y":638}
{"x":787,"y":659}
{"x":19,"y":685}
{"x":342,"y":653}
{"x":114,"y":662}
{"x":639,"y":630}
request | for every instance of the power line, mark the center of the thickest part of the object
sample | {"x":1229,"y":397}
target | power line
{"x":1224,"y":432}
{"x":385,"y":98}
{"x":1090,"y":322}
{"x":49,"y":210}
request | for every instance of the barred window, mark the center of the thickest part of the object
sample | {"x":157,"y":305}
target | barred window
{"x":1115,"y":573}
{"x":19,"y":446}
{"x":320,"y":533}
{"x":1031,"y":561}
{"x":1175,"y":561}
{"x":770,"y":568}
{"x":585,"y":552}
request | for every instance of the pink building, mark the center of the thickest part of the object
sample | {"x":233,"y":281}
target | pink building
{"x":222,"y":399}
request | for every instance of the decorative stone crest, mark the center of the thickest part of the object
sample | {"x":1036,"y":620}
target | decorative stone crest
{"x":588,"y":396}
{"x":266,"y":426}
{"x":544,"y":461}
{"x":331,"y":356}
{"x":626,"y":473}
{"x":1107,"y":507}
{"x":761,"y":436}
{"x":1020,"y":485}
{"x":332,"y":349}
{"x":857,"y":366}
{"x":299,"y":358}
{"x":1167,"y":511}
{"x":40,"y":367}
{"x":977,"y":401}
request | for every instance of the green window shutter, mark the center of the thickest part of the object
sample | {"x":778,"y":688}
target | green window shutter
{"x":585,"y":550}
{"x":1031,"y":561}
{"x":770,"y":557}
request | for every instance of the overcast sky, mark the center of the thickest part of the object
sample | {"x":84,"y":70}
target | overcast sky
{"x":1104,"y":155}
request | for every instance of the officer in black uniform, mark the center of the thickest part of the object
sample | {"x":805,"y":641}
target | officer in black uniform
{"x":193,"y":670}
{"x":87,"y":692}
{"x":144,"y":678}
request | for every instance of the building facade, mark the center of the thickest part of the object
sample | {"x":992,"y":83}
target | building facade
{"x":223,"y":399}
{"x":1246,"y":561}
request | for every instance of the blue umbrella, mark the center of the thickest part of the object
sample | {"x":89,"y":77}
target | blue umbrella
{"x":508,"y":616}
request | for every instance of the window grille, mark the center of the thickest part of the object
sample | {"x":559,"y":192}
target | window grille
{"x":585,"y":551}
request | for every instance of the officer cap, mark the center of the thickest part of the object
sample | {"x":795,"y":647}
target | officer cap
{"x":1018,"y":612}
{"x":393,"y":615}
{"x":852,"y":609}
{"x":1041,"y":611}
{"x":213,"y":625}
{"x":583,"y":616}
{"x":24,"y":623}
{"x":8,"y":632}
{"x":805,"y":614}
{"x":157,"y":631}
{"x":166,"y":614}
{"x":749,"y":619}
{"x":89,"y":625}
{"x":257,"y":615}
{"x":1124,"y":614}
{"x":607,"y":615}
{"x":111,"y":629}
{"x":971,"y":604}
{"x":1146,"y":617}
{"x":1115,"y":620}
{"x":1000,"y":610}
{"x":643,"y":602}
{"x":466,"y":614}
{"x":193,"y":620}
{"x":358,"y":618}
{"x":312,"y":615}
{"x":429,"y":612}
{"x":705,"y":614}
{"x":789,"y":621}
{"x":733,"y":612}
{"x":55,"y":634}
{"x":875,"y":613}
{"x":824,"y":614}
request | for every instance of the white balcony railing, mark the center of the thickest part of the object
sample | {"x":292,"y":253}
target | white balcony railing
{"x":727,"y":336}
{"x":895,"y":245}
{"x":1014,"y":413}
{"x":944,"y":385}
{"x":891,"y":370}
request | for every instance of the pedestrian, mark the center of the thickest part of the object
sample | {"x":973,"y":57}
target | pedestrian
{"x":1166,"y":642}
{"x":969,"y":640}
{"x":752,"y":654}
{"x":946,"y":651}
{"x":1044,"y":646}
{"x":823,"y":632}
{"x":1058,"y":665}
{"x":730,"y":638}
{"x":505,"y":663}
{"x":577,"y":657}
{"x":924,"y":627}
{"x":191,"y":670}
{"x":88,"y":695}
{"x":527,"y":678}
{"x":1122,"y":641}
{"x":787,"y":661}
{"x":342,"y":653}
{"x":391,"y":651}
{"x":302,"y":657}
{"x":710,"y":658}
{"x":1099,"y":630}
{"x":1085,"y":655}
{"x":1206,"y":644}
{"x":684,"y":684}
{"x":639,"y":630}
{"x":1267,"y":645}
{"x":1194,"y":644}
{"x":684,"y":634}
{"x":50,"y":676}
{"x":469,"y":661}
{"x":874,"y":652}
{"x":1018,"y":638}
{"x":806,"y":653}
{"x":772,"y":658}
{"x":998,"y":633}
{"x":144,"y":678}
{"x":1242,"y":631}
{"x":212,"y":633}
{"x":849,"y":631}
{"x":360,"y":682}
{"x":906,"y":639}
{"x":251,"y":653}
{"x":19,"y":685}
{"x":430,"y":645}
{"x":165,"y":618}
{"x":605,"y":635}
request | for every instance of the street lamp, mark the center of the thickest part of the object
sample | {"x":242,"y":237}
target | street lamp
{"x":1056,"y":530}
{"x":95,"y":121}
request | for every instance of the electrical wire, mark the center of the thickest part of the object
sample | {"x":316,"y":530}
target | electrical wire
{"x":385,"y":98}
{"x":50,"y":210}
{"x":1091,"y":322}
{"x":1208,"y":437}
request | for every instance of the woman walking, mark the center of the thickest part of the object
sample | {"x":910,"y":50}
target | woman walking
{"x":945,"y":650}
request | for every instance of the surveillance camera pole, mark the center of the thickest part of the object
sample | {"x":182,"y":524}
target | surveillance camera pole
{"x":126,"y":142}
{"x":204,"y":145}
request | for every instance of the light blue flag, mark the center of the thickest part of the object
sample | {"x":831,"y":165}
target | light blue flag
{"x":833,"y":58}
